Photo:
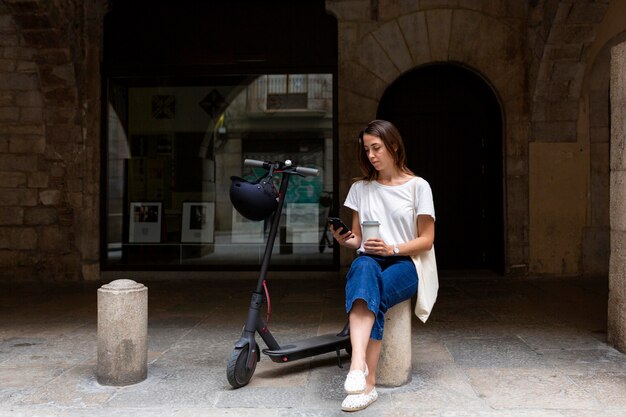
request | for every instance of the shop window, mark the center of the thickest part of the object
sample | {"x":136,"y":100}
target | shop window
{"x":171,"y":147}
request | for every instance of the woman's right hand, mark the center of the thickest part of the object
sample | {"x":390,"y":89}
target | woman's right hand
{"x":341,"y":239}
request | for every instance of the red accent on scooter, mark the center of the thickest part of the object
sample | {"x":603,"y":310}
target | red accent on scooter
{"x":269,"y":307}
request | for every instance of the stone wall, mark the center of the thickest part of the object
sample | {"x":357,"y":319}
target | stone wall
{"x":616,"y":327}
{"x":48,"y":153}
{"x":566,"y":237}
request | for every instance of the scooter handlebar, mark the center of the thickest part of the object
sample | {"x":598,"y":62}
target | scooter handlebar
{"x":313,"y":172}
{"x":254,"y":163}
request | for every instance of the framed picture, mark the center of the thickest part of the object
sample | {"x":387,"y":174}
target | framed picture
{"x":197,"y":223}
{"x":145,"y":222}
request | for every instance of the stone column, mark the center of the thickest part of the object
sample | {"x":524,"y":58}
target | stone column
{"x":394,"y":366}
{"x":616,"y":326}
{"x":122,"y":333}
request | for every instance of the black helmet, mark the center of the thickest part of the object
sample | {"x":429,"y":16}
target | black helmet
{"x":253,"y":200}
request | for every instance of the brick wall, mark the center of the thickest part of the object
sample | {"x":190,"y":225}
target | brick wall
{"x":44,"y":148}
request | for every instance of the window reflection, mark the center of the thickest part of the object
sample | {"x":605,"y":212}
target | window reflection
{"x":175,"y":144}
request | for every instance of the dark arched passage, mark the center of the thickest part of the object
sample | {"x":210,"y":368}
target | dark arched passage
{"x":451,"y":122}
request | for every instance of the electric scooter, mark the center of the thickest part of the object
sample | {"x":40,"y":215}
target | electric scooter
{"x":245,"y":355}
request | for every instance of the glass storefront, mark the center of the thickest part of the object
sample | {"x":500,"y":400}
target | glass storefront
{"x":172,"y":146}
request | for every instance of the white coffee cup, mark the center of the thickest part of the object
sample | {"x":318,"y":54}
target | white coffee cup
{"x":370,"y":229}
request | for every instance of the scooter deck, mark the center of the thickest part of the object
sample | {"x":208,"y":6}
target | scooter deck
{"x":309,"y":347}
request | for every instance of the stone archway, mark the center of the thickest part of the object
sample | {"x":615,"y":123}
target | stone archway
{"x":451,"y":123}
{"x":374,"y":54}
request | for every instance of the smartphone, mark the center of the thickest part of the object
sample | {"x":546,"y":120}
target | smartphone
{"x":338,"y":224}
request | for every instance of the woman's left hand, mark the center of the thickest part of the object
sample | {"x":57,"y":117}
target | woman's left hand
{"x":377,"y":246}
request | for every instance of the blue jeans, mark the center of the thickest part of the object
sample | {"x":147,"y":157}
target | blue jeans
{"x":382,"y":282}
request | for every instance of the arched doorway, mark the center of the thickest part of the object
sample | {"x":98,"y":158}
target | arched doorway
{"x":451,"y":122}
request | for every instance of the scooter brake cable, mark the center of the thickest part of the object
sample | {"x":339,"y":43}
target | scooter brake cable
{"x":269,"y":307}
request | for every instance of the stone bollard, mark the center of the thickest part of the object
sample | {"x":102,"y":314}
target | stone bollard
{"x":394,"y":366}
{"x":122,"y":333}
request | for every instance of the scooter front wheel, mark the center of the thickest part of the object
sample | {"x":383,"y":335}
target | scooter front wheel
{"x":237,"y":372}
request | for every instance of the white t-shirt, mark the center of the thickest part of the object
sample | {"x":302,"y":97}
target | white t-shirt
{"x":392,"y":206}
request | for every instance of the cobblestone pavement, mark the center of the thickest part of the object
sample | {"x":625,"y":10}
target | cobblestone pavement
{"x":494,"y":347}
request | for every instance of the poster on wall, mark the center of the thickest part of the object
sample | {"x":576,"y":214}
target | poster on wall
{"x":145,"y":222}
{"x":198,"y":222}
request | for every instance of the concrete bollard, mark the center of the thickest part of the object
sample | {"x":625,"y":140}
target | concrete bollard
{"x":122,"y":333}
{"x":394,"y":366}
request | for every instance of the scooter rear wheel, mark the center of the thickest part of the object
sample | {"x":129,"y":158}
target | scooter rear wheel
{"x":237,"y":373}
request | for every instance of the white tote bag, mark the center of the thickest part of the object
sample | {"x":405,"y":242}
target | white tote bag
{"x":427,"y":283}
{"x":427,"y":277}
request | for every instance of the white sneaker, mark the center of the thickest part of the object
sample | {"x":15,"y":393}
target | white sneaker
{"x":359,"y":401}
{"x":355,"y":381}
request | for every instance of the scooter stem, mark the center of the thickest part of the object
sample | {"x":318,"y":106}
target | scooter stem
{"x":273,"y":231}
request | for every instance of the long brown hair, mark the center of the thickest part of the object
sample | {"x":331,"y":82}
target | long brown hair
{"x":391,"y":138}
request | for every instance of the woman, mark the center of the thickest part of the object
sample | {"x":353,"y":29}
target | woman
{"x":383,"y":274}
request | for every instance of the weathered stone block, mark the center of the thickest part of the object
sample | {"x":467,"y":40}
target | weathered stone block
{"x":61,"y":97}
{"x":596,"y":251}
{"x":67,"y":133}
{"x":371,"y":52}
{"x":587,"y":12}
{"x":564,"y":33}
{"x":599,"y":115}
{"x":43,"y":38}
{"x":618,"y":200}
{"x":12,"y":179}
{"x":11,"y":216}
{"x":562,"y":110}
{"x":38,"y":179}
{"x":31,"y":114}
{"x":7,"y":98}
{"x":19,"y":81}
{"x":54,"y":239}
{"x":26,"y":66}
{"x":27,"y":144}
{"x":560,"y":131}
{"x":557,"y":207}
{"x":8,"y":39}
{"x":358,"y":76}
{"x":38,"y":216}
{"x":23,"y":129}
{"x":27,"y":163}
{"x":390,"y":9}
{"x":50,"y":197}
{"x":9,"y":114}
{"x":18,"y":238}
{"x":18,"y":197}
{"x":564,"y":71}
{"x":439,"y":28}
{"x":599,"y":135}
{"x":6,"y":23}
{"x":390,"y":38}
{"x":617,"y":266}
{"x":29,"y":99}
{"x":414,"y":28}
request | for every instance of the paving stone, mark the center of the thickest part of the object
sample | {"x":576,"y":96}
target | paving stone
{"x":492,"y":363}
{"x":506,"y":388}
